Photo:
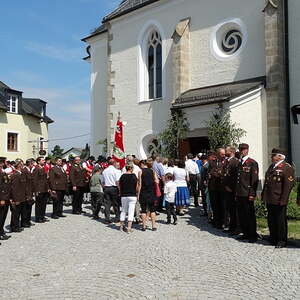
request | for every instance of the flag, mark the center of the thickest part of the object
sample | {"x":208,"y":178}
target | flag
{"x":118,"y":150}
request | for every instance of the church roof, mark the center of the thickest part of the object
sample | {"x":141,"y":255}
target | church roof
{"x":217,"y":93}
{"x":127,"y":6}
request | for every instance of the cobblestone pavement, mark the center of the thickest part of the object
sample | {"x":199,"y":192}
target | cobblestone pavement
{"x":78,"y":258}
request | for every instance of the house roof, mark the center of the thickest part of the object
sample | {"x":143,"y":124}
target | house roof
{"x":216,"y":93}
{"x":33,"y":106}
{"x":127,"y":6}
{"x":29,"y":106}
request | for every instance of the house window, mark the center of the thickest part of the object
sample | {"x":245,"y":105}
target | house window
{"x":154,"y":65}
{"x":12,"y":104}
{"x":12,"y":141}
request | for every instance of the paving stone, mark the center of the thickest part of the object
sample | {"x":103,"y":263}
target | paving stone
{"x":78,"y":258}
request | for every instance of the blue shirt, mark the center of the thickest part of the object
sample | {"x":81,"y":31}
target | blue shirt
{"x":200,"y":165}
{"x":158,"y":169}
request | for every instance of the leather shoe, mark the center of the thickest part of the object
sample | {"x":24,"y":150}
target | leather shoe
{"x":251,"y":241}
{"x":62,"y":216}
{"x":55,"y":217}
{"x":38,"y":221}
{"x":242,"y":238}
{"x":17,"y":230}
{"x":280,"y":245}
{"x":4,"y":237}
{"x":25,"y":226}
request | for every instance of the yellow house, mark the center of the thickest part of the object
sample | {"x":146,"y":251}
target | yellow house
{"x":23,"y":125}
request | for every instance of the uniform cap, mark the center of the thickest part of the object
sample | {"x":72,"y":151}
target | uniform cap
{"x":277,"y":151}
{"x":243,"y":146}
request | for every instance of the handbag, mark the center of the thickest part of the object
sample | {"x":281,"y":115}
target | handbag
{"x":157,"y":190}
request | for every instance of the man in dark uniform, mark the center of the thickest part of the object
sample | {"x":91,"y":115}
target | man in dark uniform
{"x":4,"y":198}
{"x":229,"y":184}
{"x":58,"y":183}
{"x":41,"y":189}
{"x":78,"y":181}
{"x":279,"y":181}
{"x":246,"y":188}
{"x":18,"y":196}
{"x":26,"y":212}
{"x":214,"y":186}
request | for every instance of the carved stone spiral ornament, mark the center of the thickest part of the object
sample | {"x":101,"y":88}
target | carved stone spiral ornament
{"x":232,"y":41}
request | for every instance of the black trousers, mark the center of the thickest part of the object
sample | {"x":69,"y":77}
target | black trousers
{"x":247,"y":217}
{"x":203,"y":197}
{"x":216,"y":205}
{"x":41,"y":205}
{"x":230,"y":211}
{"x":111,"y":199}
{"x":58,"y":203}
{"x":3,"y":215}
{"x":26,"y":213}
{"x":277,"y":222}
{"x":78,"y":200}
{"x":97,"y":202}
{"x":170,"y":207}
{"x":193,"y":185}
{"x":16,"y":211}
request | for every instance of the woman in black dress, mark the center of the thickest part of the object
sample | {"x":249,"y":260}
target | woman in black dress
{"x":147,"y":197}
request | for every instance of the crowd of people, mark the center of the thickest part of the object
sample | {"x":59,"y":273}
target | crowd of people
{"x":223,"y":182}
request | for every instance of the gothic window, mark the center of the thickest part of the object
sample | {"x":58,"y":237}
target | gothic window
{"x":154,"y":65}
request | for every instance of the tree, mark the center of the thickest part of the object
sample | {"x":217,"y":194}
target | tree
{"x":176,"y":129}
{"x":57,"y":151}
{"x":222,"y":131}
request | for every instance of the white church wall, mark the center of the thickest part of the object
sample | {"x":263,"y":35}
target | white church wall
{"x":294,"y":45}
{"x":249,"y":113}
{"x":99,"y":93}
{"x":206,"y":68}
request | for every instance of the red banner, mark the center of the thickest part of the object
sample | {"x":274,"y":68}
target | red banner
{"x":118,"y":151}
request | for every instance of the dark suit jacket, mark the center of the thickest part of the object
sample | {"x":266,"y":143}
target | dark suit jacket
{"x":29,"y":183}
{"x":5,"y":188}
{"x":18,"y":187}
{"x":40,"y":180}
{"x":77,"y":176}
{"x":230,"y":171}
{"x":58,"y":180}
{"x":279,"y":182}
{"x":247,"y":178}
{"x":214,"y":175}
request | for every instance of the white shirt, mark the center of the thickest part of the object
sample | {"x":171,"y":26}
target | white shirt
{"x":180,"y":177}
{"x":170,"y":191}
{"x":111,"y":176}
{"x":244,"y":159}
{"x":191,"y":167}
{"x":170,"y":170}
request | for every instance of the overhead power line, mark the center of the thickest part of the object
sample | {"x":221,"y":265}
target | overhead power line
{"x":62,"y":139}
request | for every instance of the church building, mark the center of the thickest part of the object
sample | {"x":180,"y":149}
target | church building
{"x":150,"y":57}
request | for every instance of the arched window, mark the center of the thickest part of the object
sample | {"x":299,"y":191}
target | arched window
{"x":154,"y":65}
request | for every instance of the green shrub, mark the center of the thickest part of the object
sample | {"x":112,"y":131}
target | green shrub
{"x":293,"y":210}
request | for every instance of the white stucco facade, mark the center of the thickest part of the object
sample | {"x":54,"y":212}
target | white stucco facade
{"x":147,"y":118}
{"x":294,"y":54}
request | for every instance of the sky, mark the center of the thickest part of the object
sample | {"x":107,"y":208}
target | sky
{"x":41,"y":55}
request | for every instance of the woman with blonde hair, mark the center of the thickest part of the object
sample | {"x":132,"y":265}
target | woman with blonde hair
{"x":147,"y":195}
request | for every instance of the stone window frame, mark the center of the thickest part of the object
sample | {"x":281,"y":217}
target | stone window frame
{"x":142,"y":72}
{"x":17,"y":142}
{"x":217,"y":33}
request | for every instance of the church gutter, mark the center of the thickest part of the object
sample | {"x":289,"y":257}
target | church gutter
{"x":287,"y":76}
